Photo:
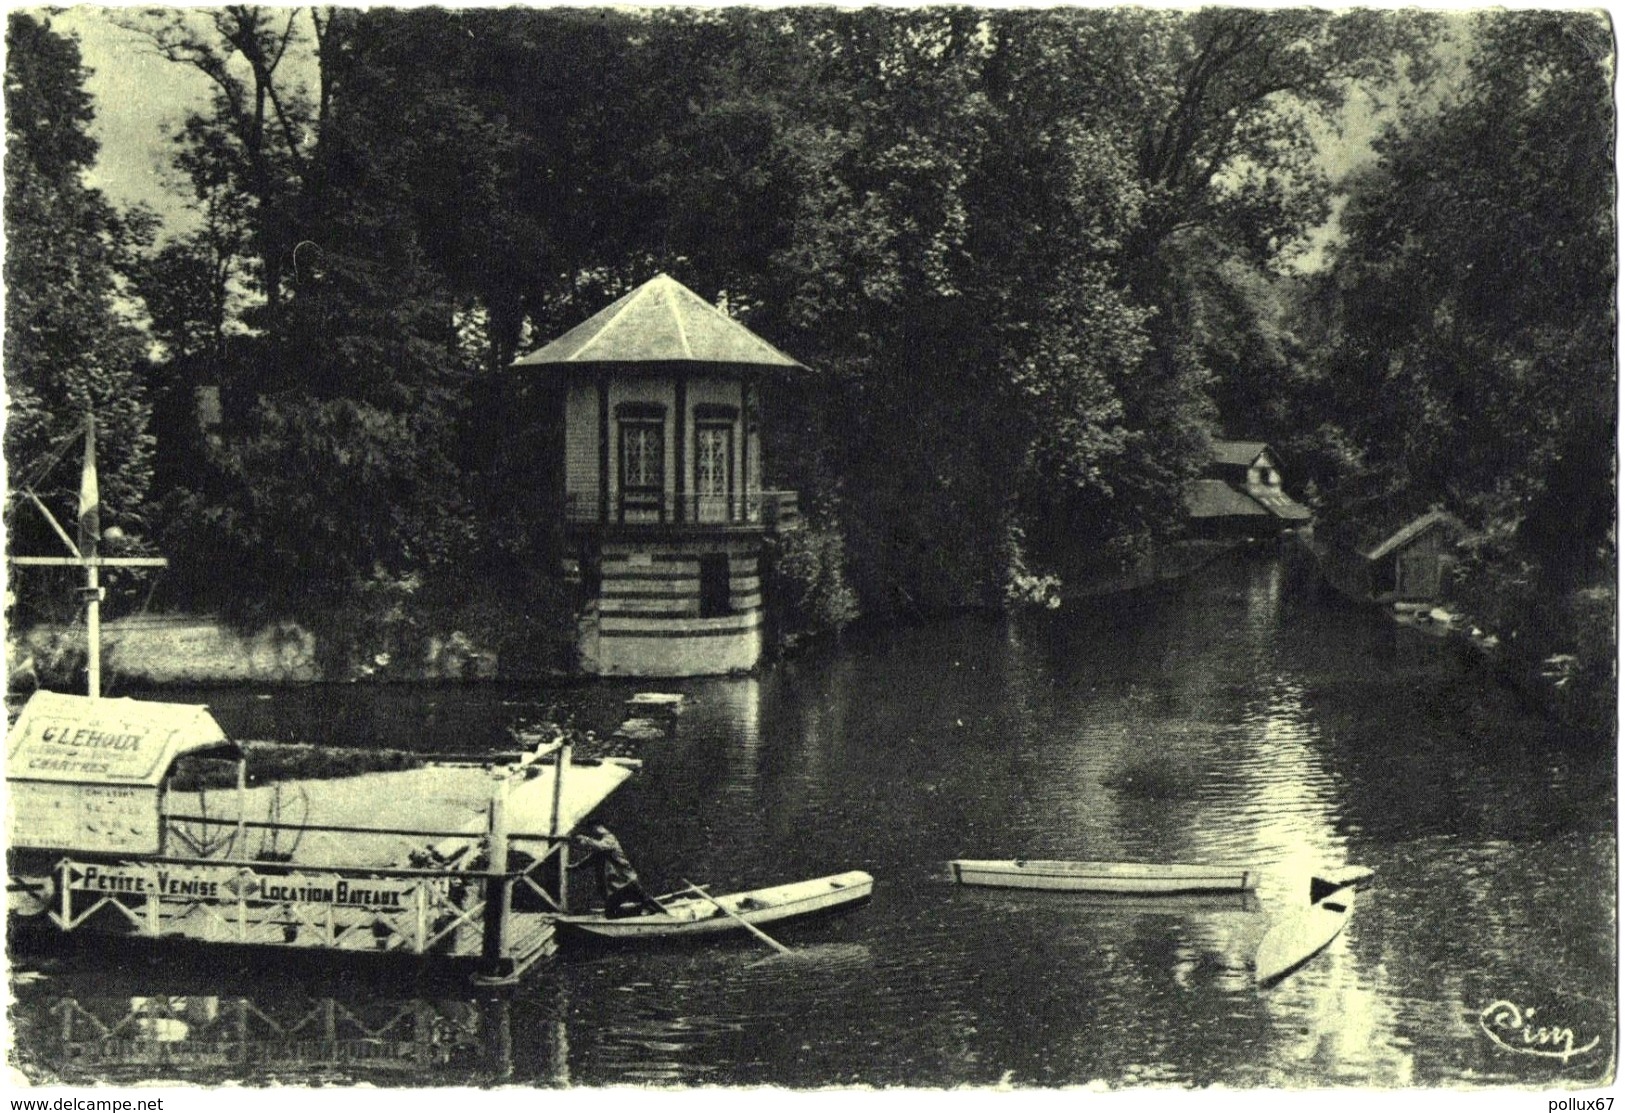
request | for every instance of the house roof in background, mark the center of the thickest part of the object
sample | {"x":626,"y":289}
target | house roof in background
{"x":1279,"y":503}
{"x":1239,"y":454}
{"x":661,"y":321}
{"x":1415,"y":529}
{"x":1214,"y":498}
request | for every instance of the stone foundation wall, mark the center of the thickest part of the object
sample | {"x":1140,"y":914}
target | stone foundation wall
{"x":200,"y":649}
{"x":647,"y":619}
{"x":175,"y":649}
{"x":686,"y":647}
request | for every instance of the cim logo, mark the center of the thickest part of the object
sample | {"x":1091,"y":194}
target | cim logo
{"x":1519,"y":1030}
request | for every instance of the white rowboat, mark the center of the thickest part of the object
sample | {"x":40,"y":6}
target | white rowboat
{"x":1302,"y":934}
{"x":699,"y":915}
{"x":1103,"y":877}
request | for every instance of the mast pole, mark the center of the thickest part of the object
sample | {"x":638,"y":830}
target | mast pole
{"x":89,"y":535}
{"x":93,"y":630}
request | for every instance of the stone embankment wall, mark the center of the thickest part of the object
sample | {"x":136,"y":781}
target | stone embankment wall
{"x":200,"y":649}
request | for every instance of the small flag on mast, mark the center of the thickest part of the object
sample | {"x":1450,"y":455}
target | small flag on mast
{"x":90,"y":499}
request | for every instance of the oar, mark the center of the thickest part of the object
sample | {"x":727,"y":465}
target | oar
{"x":744,"y":923}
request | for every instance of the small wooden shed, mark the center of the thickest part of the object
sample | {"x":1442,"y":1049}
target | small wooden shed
{"x":1410,"y":565}
{"x":88,"y":774}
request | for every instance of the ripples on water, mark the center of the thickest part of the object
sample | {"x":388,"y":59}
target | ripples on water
{"x":1229,"y":718}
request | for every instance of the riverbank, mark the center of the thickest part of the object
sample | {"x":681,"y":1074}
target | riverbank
{"x":179,"y":650}
{"x":1565,"y":669}
{"x":199,"y":650}
{"x":1174,"y":561}
{"x":1553,"y":646}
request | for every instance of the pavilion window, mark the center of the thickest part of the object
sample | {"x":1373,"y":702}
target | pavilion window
{"x":713,"y":472}
{"x":643,"y":465}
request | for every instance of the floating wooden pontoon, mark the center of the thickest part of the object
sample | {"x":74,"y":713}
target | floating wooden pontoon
{"x":101,"y":846}
{"x":655,"y":705}
{"x":1103,"y":877}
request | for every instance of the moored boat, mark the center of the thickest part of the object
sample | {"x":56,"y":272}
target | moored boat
{"x":699,"y":915}
{"x":105,"y":843}
{"x":1103,"y":877}
{"x":1302,"y":934}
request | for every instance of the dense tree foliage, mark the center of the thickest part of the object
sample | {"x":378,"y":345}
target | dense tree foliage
{"x":1034,"y":257}
{"x":306,"y":297}
{"x":1464,"y":340}
{"x":1468,"y":332}
{"x":69,"y":347}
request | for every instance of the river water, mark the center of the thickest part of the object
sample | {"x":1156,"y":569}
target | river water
{"x":1236,"y":716}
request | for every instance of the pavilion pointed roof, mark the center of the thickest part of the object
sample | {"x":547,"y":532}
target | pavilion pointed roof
{"x":661,"y":321}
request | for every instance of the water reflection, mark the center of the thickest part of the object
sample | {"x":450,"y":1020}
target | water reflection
{"x":742,"y":707}
{"x":208,"y":1038}
{"x":1226,"y":718}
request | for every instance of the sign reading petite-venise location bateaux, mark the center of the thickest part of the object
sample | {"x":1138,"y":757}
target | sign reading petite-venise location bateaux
{"x":222,"y":883}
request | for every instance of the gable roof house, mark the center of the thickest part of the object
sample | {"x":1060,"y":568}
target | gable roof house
{"x":1239,"y":494}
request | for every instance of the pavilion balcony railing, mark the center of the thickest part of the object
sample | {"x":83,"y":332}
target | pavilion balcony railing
{"x":768,"y":509}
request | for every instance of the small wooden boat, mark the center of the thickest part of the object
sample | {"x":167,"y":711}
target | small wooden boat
{"x":1019,"y":901}
{"x":1103,"y":877}
{"x":1302,"y":934}
{"x":699,"y":915}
